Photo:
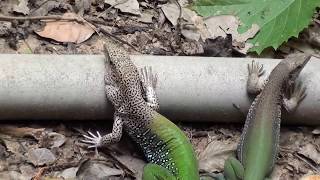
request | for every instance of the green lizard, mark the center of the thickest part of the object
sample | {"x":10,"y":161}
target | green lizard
{"x":133,"y":96}
{"x":258,"y":147}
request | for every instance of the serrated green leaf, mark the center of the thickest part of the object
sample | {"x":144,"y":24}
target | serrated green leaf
{"x":278,"y":19}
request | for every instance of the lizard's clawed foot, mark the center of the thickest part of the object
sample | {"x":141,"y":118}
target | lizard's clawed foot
{"x":148,"y":78}
{"x":254,"y":84}
{"x":149,"y":83}
{"x":297,"y":93}
{"x":93,"y":140}
{"x":256,"y":68}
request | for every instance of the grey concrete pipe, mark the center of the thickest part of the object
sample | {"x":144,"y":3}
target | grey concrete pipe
{"x":190,"y":88}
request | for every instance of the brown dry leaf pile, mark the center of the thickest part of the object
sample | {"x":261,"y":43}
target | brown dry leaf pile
{"x":67,"y":31}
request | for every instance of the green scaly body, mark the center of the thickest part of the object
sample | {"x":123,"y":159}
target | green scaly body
{"x":180,"y":149}
{"x":258,"y":147}
{"x":164,"y":145}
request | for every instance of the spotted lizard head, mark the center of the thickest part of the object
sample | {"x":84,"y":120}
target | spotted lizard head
{"x":121,"y":65}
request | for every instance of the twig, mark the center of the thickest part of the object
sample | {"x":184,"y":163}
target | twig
{"x":305,"y":161}
{"x":18,"y":18}
{"x":43,"y":170}
{"x":38,"y":175}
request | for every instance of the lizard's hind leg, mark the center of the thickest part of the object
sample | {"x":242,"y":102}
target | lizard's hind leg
{"x":297,"y":93}
{"x":114,"y":95}
{"x":113,"y":137}
{"x":149,"y":83}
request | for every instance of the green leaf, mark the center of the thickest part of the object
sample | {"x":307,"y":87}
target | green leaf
{"x":278,"y":19}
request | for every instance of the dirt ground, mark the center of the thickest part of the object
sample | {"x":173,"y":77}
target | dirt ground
{"x":52,"y":150}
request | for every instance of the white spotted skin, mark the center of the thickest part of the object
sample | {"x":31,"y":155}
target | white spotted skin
{"x":135,"y":101}
{"x":259,"y":142}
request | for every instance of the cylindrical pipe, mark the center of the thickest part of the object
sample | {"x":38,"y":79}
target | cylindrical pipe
{"x":189,"y":89}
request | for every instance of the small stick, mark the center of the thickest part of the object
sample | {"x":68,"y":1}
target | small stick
{"x":18,"y":18}
{"x":308,"y":163}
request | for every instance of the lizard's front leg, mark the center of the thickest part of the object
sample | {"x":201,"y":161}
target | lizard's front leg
{"x":296,"y":93}
{"x":113,"y":137}
{"x":149,"y":83}
{"x":255,"y":83}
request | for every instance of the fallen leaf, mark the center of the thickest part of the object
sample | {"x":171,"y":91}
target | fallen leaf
{"x":311,"y":177}
{"x":277,"y":21}
{"x":20,"y":132}
{"x":45,"y":8}
{"x":95,"y":169}
{"x":22,"y":7}
{"x":27,"y":170}
{"x":134,"y":164}
{"x":41,"y":156}
{"x":128,"y":6}
{"x":146,"y":17}
{"x":198,"y":25}
{"x":213,"y":157}
{"x":69,"y":173}
{"x":12,"y":146}
{"x":228,"y":24}
{"x":194,"y":27}
{"x":183,"y":3}
{"x":67,"y":31}
{"x":314,"y":35}
{"x":278,"y":172}
{"x":5,"y":28}
{"x":56,"y":139}
{"x":82,"y":6}
{"x":10,"y":175}
{"x":310,"y":151}
{"x":171,"y":11}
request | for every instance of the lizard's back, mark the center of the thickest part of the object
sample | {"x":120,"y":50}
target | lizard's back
{"x":258,"y":146}
{"x":162,"y":142}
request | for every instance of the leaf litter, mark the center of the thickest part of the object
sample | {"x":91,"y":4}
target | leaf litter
{"x":67,"y":31}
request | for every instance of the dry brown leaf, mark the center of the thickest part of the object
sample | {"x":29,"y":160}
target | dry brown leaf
{"x":311,"y":177}
{"x":310,"y":151}
{"x":128,"y":6}
{"x":40,"y":156}
{"x":213,"y":157}
{"x":20,"y":132}
{"x":67,"y":31}
{"x":134,"y":164}
{"x":45,"y":8}
{"x":97,"y":169}
{"x":82,"y":6}
{"x":22,"y":7}
{"x":228,"y":24}
{"x":12,"y":146}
